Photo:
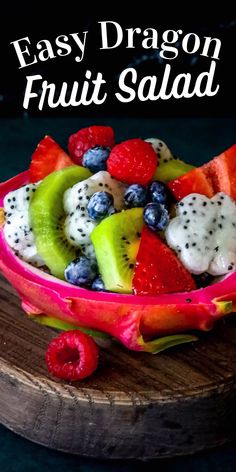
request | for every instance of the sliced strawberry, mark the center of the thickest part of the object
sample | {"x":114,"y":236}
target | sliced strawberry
{"x":158,"y":269}
{"x":194,"y":181}
{"x":48,"y":157}
{"x":218,"y":175}
{"x":133,"y":161}
{"x":87,"y":138}
{"x":222,"y":172}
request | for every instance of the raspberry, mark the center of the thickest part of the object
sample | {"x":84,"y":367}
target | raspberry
{"x":133,"y":162}
{"x":87,"y":138}
{"x":72,"y":356}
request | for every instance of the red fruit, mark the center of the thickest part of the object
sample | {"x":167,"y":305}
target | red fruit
{"x":133,"y":162}
{"x":218,"y":175}
{"x":87,"y":138}
{"x":72,"y":356}
{"x":221,"y":171}
{"x":158,"y":269}
{"x":194,"y":181}
{"x":48,"y":157}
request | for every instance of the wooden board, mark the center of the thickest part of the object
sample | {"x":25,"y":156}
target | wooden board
{"x":135,"y":406}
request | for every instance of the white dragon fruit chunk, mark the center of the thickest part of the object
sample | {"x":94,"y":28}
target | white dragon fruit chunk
{"x":18,"y":200}
{"x":17,"y":228}
{"x":78,"y":224}
{"x":161,"y":149}
{"x":203,"y":233}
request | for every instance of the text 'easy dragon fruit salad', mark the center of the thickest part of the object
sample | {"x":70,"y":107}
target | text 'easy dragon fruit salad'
{"x":121,"y":240}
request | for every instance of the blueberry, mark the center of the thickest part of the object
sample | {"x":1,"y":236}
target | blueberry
{"x":156,"y":216}
{"x":98,"y":285}
{"x":135,"y":196}
{"x":95,"y":159}
{"x":157,"y":192}
{"x":81,"y":271}
{"x":100,"y":205}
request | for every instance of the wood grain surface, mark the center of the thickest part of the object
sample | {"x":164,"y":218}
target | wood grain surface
{"x":135,"y":406}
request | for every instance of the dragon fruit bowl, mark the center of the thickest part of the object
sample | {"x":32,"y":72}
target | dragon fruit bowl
{"x":132,"y":319}
{"x":123,"y":241}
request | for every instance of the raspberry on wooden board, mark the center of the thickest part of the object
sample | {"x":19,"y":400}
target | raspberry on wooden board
{"x":72,"y":356}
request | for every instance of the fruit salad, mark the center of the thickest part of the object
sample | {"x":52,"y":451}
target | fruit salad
{"x":126,"y":218}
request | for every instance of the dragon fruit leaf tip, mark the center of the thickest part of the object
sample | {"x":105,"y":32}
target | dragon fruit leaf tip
{"x":166,"y":342}
{"x":64,"y":326}
{"x":124,"y":317}
{"x":225,"y":306}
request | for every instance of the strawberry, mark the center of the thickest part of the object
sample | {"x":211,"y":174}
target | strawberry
{"x":87,"y":138}
{"x":133,"y":162}
{"x":194,"y":181}
{"x":72,"y":356}
{"x":47,"y":158}
{"x":218,"y":175}
{"x":158,"y":269}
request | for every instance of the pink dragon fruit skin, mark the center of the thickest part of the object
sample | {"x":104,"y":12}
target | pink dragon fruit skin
{"x":129,"y":318}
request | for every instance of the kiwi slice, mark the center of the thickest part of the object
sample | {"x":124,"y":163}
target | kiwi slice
{"x":47,"y":218}
{"x":171,"y":170}
{"x":116,"y":241}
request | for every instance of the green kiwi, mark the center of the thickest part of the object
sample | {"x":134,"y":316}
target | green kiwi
{"x":116,"y":241}
{"x":47,"y":218}
{"x":171,"y":170}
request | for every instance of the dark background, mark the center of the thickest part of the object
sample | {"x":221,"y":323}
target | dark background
{"x":196,"y":130}
{"x":38,"y":24}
